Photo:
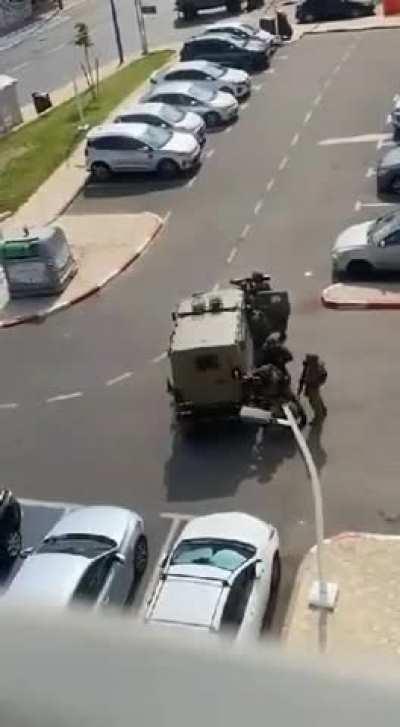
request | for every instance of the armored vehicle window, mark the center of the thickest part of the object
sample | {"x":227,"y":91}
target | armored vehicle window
{"x":207,"y":362}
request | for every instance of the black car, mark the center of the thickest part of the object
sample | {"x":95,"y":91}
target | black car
{"x":310,"y":11}
{"x":388,"y":173}
{"x":250,"y":55}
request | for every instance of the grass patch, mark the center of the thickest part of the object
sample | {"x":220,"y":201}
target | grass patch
{"x":29,"y":155}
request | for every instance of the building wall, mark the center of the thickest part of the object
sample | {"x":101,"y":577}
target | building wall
{"x":14,"y":12}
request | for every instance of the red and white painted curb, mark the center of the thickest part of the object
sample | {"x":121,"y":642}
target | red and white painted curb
{"x":351,"y":297}
{"x":42,"y":315}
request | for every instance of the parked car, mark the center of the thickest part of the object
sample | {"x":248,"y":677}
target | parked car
{"x":190,"y":8}
{"x":165,"y":116}
{"x":114,"y":148}
{"x":249,"y":55}
{"x":228,"y":80}
{"x":368,"y":247}
{"x":219,"y":576}
{"x":388,"y":172}
{"x":244,"y":31}
{"x":395,"y":118}
{"x":310,"y":11}
{"x":214,"y":106}
{"x":93,"y":555}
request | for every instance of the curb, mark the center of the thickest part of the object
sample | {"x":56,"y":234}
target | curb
{"x":354,"y":305}
{"x":41,"y":317}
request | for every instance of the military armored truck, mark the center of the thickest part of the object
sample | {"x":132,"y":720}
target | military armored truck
{"x":190,"y":8}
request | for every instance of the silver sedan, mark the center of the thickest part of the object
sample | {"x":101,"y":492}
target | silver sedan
{"x":215,"y":107}
{"x":93,"y":556}
{"x":229,"y":80}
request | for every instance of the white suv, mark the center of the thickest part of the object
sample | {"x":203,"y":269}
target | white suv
{"x":116,"y":148}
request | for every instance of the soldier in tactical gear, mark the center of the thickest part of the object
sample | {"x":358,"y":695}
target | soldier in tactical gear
{"x":313,"y":376}
{"x":274,"y":352}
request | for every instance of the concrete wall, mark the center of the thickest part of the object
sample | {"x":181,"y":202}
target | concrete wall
{"x":14,"y":12}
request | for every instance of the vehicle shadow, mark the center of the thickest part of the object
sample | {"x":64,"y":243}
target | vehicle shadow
{"x":131,"y":185}
{"x":275,"y":445}
{"x":211,"y":463}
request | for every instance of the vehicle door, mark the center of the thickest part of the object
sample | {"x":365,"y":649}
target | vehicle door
{"x":387,"y":252}
{"x":241,"y":614}
{"x":95,"y":585}
{"x":135,"y":156}
{"x":173,"y":99}
{"x":186,"y":74}
{"x":210,"y":49}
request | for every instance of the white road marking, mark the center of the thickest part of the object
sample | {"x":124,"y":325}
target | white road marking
{"x":11,"y":405}
{"x":210,"y":153}
{"x":270,"y":71}
{"x":244,"y":232}
{"x":308,"y":274}
{"x":64,"y":397}
{"x":371,"y":172}
{"x":360,"y":139}
{"x":388,"y":119}
{"x":295,"y":139}
{"x":232,"y":255}
{"x":167,"y":217}
{"x":307,"y":118}
{"x":118,"y":379}
{"x":244,"y":106}
{"x":159,"y":358}
{"x":190,"y":183}
{"x":228,"y":129}
{"x":282,"y":58}
{"x":171,"y":535}
{"x":257,"y":87}
{"x":283,"y":163}
{"x":214,"y":290}
{"x":359,"y":205}
{"x":19,"y":68}
{"x":176,"y":516}
{"x":54,"y":50}
{"x":336,"y":69}
{"x":258,"y":207}
{"x":317,"y":99}
{"x":49,"y":504}
{"x":346,"y":56}
{"x":327,"y":83}
{"x":270,"y":184}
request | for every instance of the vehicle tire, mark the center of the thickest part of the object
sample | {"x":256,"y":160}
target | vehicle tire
{"x":11,"y":548}
{"x":212,"y":119}
{"x":189,"y":13}
{"x":359,"y":269}
{"x":395,"y":186}
{"x":140,"y":556}
{"x":276,"y":572}
{"x":101,"y":172}
{"x":168,"y":169}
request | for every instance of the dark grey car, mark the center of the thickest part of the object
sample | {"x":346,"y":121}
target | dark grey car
{"x":388,"y":173}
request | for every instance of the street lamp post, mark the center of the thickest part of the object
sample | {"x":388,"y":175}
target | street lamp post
{"x":141,"y":27}
{"x":117,"y":32}
{"x":323,"y":595}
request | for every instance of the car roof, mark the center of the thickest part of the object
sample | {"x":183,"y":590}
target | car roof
{"x":237,"y":526}
{"x":194,"y":331}
{"x":229,"y":24}
{"x":133,"y":130}
{"x":47,"y":578}
{"x":189,"y":601}
{"x":110,"y":522}
{"x":216,"y":36}
{"x":173,"y":87}
{"x":189,"y":65}
{"x":147,"y":107}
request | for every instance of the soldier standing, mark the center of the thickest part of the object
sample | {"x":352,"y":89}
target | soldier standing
{"x":313,"y":376}
{"x":274,"y":352}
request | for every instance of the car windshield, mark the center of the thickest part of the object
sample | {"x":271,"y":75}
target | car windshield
{"x":88,"y":546}
{"x":215,"y":71}
{"x":156,"y":137}
{"x":384,"y":226}
{"x":224,"y":554}
{"x":201,"y":93}
{"x":171,"y":114}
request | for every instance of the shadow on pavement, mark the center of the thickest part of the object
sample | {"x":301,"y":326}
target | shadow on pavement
{"x":130,"y":185}
{"x":273,"y":447}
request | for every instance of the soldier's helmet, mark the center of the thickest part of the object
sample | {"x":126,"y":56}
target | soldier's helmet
{"x":257,"y":277}
{"x":273,"y":340}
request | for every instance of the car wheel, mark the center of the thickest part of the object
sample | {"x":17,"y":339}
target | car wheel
{"x":359,"y":269}
{"x":167,"y":168}
{"x":276,"y":573}
{"x":12,"y":546}
{"x":212,"y":118}
{"x":189,"y":13}
{"x":140,"y":556}
{"x":101,"y":172}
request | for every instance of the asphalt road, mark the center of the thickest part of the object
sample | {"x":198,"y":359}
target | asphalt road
{"x":42,"y":56}
{"x":270,"y":197}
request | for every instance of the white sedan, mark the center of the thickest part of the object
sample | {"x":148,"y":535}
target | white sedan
{"x":228,"y":80}
{"x":219,"y":576}
{"x":368,"y":247}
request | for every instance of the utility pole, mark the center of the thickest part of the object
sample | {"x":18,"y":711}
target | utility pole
{"x":117,"y":32}
{"x":61,"y":4}
{"x":141,"y":27}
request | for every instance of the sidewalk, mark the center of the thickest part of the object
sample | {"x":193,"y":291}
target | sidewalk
{"x":366,"y":620}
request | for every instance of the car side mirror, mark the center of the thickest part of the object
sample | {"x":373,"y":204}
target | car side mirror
{"x":26,"y":552}
{"x":259,"y":568}
{"x":119,"y":558}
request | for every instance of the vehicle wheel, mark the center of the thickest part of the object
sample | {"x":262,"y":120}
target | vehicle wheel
{"x":140,"y":556}
{"x":167,"y":168}
{"x":12,"y":546}
{"x":189,"y":13}
{"x":276,"y":573}
{"x":359,"y":269}
{"x":101,"y":172}
{"x":395,"y":186}
{"x":308,"y":18}
{"x":212,"y":119}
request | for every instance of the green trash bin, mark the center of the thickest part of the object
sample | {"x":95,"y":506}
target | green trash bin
{"x":41,"y":101}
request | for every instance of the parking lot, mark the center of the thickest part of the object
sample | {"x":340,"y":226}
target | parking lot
{"x":273,"y":192}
